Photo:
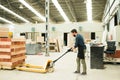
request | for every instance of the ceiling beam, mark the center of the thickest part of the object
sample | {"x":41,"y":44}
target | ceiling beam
{"x":13,"y":13}
{"x":71,"y":9}
{"x":97,"y":15}
{"x":14,"y":8}
{"x":42,"y":6}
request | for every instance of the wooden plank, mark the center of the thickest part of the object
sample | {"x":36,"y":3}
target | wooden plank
{"x":5,"y":43}
{"x":20,"y":39}
{"x":22,"y":51}
{"x":4,"y":34}
{"x":5,"y":56}
{"x":5,"y":46}
{"x":5,"y":39}
{"x":5,"y":50}
{"x":12,"y":66}
{"x":7,"y":67}
{"x":4,"y":29}
{"x":5,"y":53}
{"x":13,"y":53}
{"x":19,"y":58}
{"x":40,"y":39}
{"x":18,"y":46}
{"x":12,"y":58}
{"x":0,"y":66}
{"x":12,"y":63}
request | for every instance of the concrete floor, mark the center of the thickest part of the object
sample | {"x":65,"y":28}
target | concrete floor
{"x":64,"y":69}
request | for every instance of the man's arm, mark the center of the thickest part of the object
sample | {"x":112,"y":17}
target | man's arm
{"x":76,"y":42}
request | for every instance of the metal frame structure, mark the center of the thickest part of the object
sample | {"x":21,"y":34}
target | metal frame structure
{"x":47,"y":27}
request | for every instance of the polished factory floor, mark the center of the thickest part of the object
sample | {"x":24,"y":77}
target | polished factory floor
{"x":64,"y":69}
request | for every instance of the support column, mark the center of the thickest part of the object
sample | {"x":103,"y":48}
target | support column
{"x":47,"y":27}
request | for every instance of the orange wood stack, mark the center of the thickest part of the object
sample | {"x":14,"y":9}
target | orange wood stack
{"x":12,"y":52}
{"x":4,"y":32}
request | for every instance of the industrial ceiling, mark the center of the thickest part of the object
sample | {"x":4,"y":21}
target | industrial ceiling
{"x":74,"y":9}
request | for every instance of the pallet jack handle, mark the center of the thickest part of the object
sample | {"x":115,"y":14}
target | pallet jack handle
{"x":62,"y":55}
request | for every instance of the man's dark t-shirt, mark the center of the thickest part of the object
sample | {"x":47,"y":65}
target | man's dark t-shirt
{"x":79,"y":42}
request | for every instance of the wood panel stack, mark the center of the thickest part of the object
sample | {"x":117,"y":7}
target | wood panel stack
{"x":4,"y":32}
{"x":12,"y":52}
{"x":53,"y":45}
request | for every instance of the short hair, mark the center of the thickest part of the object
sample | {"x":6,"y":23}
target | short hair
{"x":73,"y":30}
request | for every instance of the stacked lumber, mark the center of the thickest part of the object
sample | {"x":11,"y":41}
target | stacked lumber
{"x":52,"y":45}
{"x":4,"y":32}
{"x":12,"y":52}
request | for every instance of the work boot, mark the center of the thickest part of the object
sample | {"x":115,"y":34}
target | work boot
{"x":77,"y":72}
{"x":83,"y":73}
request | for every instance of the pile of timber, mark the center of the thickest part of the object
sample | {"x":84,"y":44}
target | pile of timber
{"x":12,"y":52}
{"x":4,"y":32}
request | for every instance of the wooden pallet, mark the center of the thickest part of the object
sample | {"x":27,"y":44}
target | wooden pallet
{"x":12,"y":52}
{"x":11,"y":65}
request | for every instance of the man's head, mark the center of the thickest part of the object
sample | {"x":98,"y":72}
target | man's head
{"x":74,"y":32}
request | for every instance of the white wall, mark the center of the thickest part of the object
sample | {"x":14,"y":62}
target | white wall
{"x":60,"y":28}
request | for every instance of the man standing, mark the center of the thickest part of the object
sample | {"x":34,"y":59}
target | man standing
{"x":79,"y":43}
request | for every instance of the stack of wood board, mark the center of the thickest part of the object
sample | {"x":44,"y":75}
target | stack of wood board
{"x":53,"y":45}
{"x":40,"y":39}
{"x":4,"y":32}
{"x":59,"y":44}
{"x":12,"y":52}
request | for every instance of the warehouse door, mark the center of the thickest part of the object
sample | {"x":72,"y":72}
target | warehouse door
{"x":92,"y":35}
{"x":43,"y":35}
{"x":65,"y":39}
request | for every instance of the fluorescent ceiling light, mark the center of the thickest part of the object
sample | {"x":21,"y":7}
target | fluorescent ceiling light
{"x":5,"y":20}
{"x":57,"y":5}
{"x":89,"y":10}
{"x":6,"y":9}
{"x":32,"y":9}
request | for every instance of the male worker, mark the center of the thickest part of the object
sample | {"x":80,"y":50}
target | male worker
{"x":79,"y":43}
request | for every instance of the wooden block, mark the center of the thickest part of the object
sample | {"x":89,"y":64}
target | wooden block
{"x":18,"y":46}
{"x":40,"y":39}
{"x":4,"y":29}
{"x":5,"y":39}
{"x":16,"y":64}
{"x":52,"y":40}
{"x":12,"y":59}
{"x":4,"y":34}
{"x":8,"y":67}
{"x":12,"y":63}
{"x":5,"y":46}
{"x":19,"y":52}
{"x":0,"y":66}
{"x":5,"y":56}
{"x":5,"y":53}
{"x":6,"y":63}
{"x":17,"y":59}
{"x":5,"y":50}
{"x":20,"y":39}
{"x":5,"y":43}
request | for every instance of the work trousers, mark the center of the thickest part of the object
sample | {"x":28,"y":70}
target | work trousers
{"x":79,"y":61}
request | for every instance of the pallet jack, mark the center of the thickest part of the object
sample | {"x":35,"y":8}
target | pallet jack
{"x":49,"y":67}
